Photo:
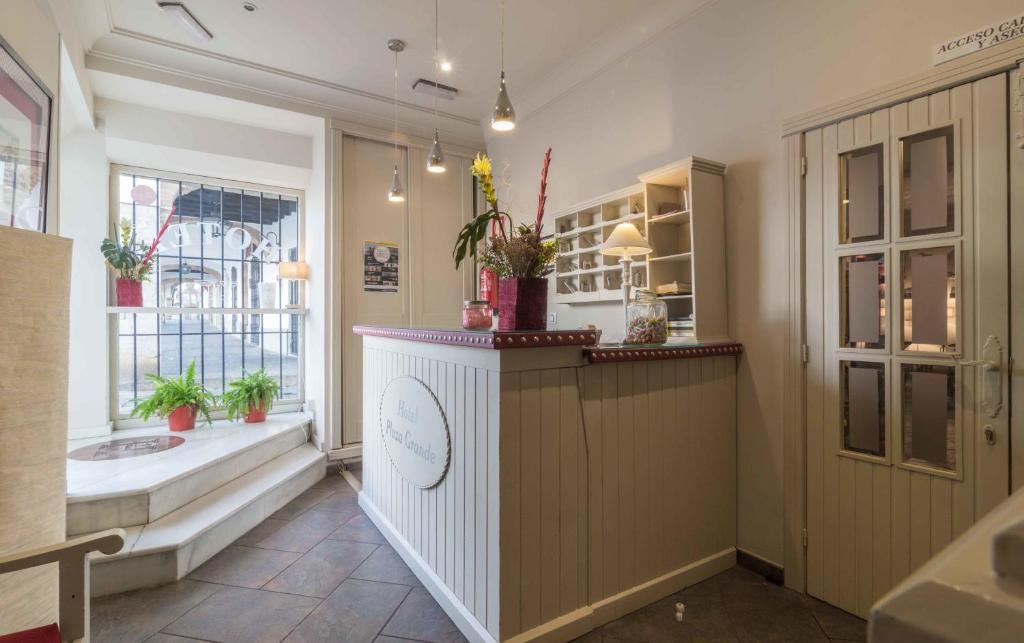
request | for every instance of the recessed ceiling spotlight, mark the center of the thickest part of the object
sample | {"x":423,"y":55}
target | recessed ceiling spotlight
{"x":187,"y":20}
{"x":250,"y":7}
{"x":446,"y":66}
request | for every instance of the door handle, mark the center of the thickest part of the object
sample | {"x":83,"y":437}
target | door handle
{"x":991,"y":363}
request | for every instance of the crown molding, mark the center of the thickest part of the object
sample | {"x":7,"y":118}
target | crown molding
{"x":464,"y":134}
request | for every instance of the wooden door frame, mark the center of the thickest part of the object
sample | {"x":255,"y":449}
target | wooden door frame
{"x":1005,"y":57}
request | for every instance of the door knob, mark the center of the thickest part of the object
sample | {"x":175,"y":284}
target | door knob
{"x":991,"y":364}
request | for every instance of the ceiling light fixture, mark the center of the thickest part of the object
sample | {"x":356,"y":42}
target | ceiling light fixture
{"x":446,"y":66}
{"x":187,"y":20}
{"x":504,"y":117}
{"x":395,"y":192}
{"x":435,"y":161}
{"x":249,"y":6}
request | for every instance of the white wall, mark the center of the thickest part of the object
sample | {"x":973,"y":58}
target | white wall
{"x":719,"y":85}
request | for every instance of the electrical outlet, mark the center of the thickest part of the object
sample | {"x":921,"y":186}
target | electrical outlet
{"x":552,"y":318}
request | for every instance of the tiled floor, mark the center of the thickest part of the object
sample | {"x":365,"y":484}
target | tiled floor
{"x":318,"y":570}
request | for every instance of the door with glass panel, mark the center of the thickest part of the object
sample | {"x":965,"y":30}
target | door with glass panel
{"x":907,"y":330}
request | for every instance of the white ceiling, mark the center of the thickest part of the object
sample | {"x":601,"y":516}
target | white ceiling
{"x":333,"y":52}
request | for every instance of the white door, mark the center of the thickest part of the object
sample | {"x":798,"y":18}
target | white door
{"x":907,"y":295}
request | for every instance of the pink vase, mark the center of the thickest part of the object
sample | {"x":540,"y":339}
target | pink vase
{"x":522,"y":303}
{"x":129,"y":292}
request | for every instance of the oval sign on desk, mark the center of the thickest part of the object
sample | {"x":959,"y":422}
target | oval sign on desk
{"x":415,"y":431}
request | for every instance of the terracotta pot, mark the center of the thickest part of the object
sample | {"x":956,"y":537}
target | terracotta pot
{"x":256,"y":414}
{"x":182,"y":418}
{"x":129,"y":292}
{"x":522,"y":304}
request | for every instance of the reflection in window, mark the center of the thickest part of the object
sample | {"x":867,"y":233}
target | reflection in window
{"x":222,"y":243}
{"x":929,"y":299}
{"x":862,"y":306}
{"x":862,"y":195}
{"x":863,"y":398}
{"x":927,"y":186}
{"x":929,"y":415}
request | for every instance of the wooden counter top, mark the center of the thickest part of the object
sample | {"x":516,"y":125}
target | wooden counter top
{"x":586,"y":339}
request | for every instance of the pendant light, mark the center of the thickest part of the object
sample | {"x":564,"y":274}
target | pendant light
{"x":396,"y":194}
{"x":435,"y":162}
{"x":504,"y":117}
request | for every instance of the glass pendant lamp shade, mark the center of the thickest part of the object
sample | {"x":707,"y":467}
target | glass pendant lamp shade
{"x":395,"y":193}
{"x":435,"y":162}
{"x":504,"y":117}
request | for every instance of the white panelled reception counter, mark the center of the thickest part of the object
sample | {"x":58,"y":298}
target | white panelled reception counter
{"x":540,"y":487}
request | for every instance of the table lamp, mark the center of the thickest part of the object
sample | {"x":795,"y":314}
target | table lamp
{"x":296,"y":271}
{"x":626,"y":242}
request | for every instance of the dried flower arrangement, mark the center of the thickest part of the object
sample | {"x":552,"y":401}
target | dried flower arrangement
{"x":512,"y":252}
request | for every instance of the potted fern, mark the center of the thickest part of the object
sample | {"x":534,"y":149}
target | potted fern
{"x":179,"y":399}
{"x":250,"y":397}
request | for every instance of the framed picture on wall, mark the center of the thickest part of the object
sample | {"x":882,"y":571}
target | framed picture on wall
{"x":25,"y":107}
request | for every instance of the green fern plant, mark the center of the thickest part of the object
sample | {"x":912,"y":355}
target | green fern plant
{"x":252,"y":391}
{"x":174,"y":392}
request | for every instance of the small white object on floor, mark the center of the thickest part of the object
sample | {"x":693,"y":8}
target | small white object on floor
{"x":680,"y":608}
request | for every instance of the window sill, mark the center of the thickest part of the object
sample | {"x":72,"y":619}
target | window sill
{"x":174,"y":310}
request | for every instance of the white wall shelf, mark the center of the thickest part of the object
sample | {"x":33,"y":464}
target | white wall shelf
{"x":688,"y":240}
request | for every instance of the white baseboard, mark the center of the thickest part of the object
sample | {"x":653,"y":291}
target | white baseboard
{"x":80,"y":432}
{"x":567,"y":626}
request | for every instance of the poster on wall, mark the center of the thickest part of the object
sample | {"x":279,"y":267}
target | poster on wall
{"x":380,"y":266}
{"x":24,"y":142}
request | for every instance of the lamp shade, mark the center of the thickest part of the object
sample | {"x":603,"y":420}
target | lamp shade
{"x":293,"y":270}
{"x":626,"y":241}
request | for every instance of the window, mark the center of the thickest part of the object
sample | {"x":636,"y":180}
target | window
{"x":213,"y":294}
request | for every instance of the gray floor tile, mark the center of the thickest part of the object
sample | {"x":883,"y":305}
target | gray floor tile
{"x":354,"y":612}
{"x":333,"y":481}
{"x":261,"y":531}
{"x":134,"y":616}
{"x":244,"y":566}
{"x":420,"y":617}
{"x":781,"y":626}
{"x":386,"y":566}
{"x":241,"y":615}
{"x":321,"y":569}
{"x":705,"y":619}
{"x":840,"y":625}
{"x":339,"y":503}
{"x":302,"y":503}
{"x":360,"y":529}
{"x":160,"y":637}
{"x":306,"y":531}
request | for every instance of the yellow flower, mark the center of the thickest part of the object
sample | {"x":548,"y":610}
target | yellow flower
{"x":482,"y":166}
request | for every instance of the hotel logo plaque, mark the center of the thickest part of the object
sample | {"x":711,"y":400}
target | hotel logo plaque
{"x":415,"y":432}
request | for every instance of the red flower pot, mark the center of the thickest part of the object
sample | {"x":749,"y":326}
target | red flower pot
{"x":129,"y":292}
{"x":522,"y":304}
{"x":182,"y":418}
{"x":256,"y":414}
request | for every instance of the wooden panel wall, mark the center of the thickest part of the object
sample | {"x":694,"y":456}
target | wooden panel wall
{"x":610,"y":476}
{"x":451,"y":525}
{"x":870,"y":524}
{"x":644,"y":486}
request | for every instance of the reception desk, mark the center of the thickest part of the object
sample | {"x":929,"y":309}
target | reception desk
{"x":540,"y":486}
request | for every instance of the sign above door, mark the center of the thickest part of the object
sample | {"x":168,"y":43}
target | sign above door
{"x":979,"y":39}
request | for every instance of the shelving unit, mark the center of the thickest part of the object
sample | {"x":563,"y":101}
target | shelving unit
{"x":680,"y":209}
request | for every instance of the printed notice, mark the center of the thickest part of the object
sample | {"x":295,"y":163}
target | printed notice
{"x":978,"y":39}
{"x":380,"y":267}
